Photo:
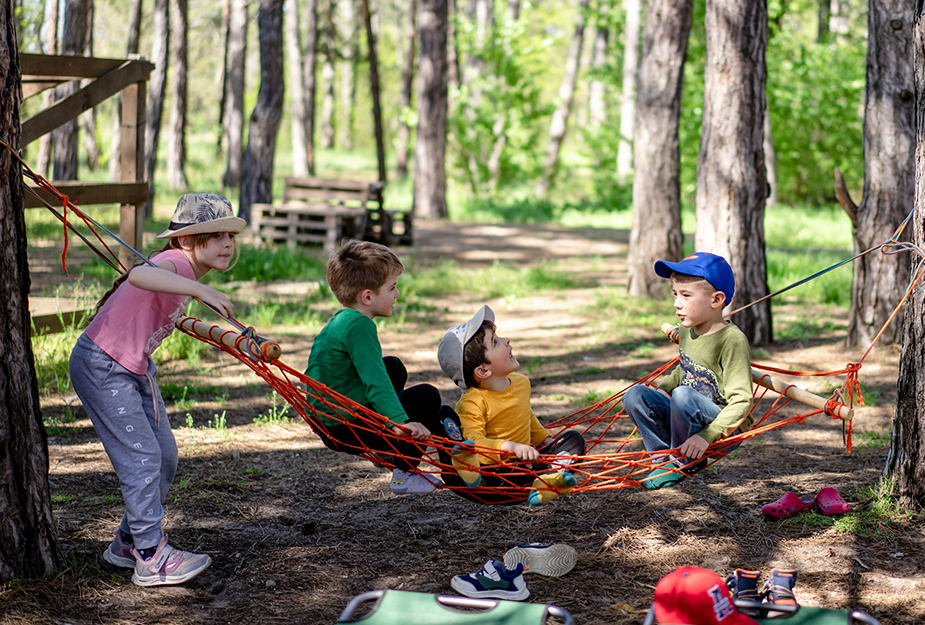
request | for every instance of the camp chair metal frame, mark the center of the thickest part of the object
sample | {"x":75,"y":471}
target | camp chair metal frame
{"x":449,"y":602}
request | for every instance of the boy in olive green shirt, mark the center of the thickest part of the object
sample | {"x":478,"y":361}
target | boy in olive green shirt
{"x":708,"y":396}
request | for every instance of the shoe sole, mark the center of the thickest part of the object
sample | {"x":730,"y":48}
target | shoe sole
{"x":553,"y":561}
{"x":467,"y":590}
{"x":118,"y":561}
{"x":157,"y":580}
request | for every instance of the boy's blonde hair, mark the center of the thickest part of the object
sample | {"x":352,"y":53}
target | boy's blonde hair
{"x":360,"y":265}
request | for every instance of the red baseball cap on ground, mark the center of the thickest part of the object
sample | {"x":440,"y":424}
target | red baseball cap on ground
{"x":691,"y":595}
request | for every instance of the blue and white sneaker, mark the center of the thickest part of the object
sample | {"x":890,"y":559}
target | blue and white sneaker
{"x":493,"y":582}
{"x":543,"y":559}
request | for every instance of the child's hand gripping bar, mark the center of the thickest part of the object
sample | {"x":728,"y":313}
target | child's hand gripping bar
{"x":837,"y":409}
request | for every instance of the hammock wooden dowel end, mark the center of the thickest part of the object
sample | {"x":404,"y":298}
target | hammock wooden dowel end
{"x":795,"y":393}
{"x":268,"y":349}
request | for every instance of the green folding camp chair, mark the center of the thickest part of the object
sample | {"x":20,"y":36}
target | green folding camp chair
{"x":398,"y":607}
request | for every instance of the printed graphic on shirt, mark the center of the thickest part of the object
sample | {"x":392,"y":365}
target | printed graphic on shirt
{"x":701,"y":380}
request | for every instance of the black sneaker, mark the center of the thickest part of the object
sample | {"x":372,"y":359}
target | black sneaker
{"x":778,"y":590}
{"x":743,"y":585}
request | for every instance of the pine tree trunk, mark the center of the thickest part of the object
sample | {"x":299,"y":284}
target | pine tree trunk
{"x":296,"y":89}
{"x":233,"y":121}
{"x":770,"y":158}
{"x":257,"y":171}
{"x":223,"y":76}
{"x":28,"y":546}
{"x":157,"y":86}
{"x":905,"y":461}
{"x":407,"y":51}
{"x":889,"y":171}
{"x":347,"y":21}
{"x":633,"y":10}
{"x":732,"y":181}
{"x":559,"y":123}
{"x":824,"y":14}
{"x":454,"y":73}
{"x":43,"y":160}
{"x":597,"y":105}
{"x":87,"y":120}
{"x":131,"y":48}
{"x":327,"y":76}
{"x":430,"y":148}
{"x":656,"y":231}
{"x":309,"y":72}
{"x":176,"y":156}
{"x":65,"y":137}
{"x":374,"y":89}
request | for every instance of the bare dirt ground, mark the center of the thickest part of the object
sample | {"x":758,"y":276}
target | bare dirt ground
{"x":295,"y":530}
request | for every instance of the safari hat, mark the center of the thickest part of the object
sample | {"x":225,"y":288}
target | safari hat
{"x":453,"y":345}
{"x":694,"y":596}
{"x":711,"y":267}
{"x":202,"y":213}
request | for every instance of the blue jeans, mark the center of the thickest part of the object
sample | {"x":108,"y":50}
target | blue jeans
{"x":128,"y":413}
{"x":666,"y":422}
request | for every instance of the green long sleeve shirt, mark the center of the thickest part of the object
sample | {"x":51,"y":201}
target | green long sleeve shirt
{"x":718,"y":366}
{"x":347,"y":357}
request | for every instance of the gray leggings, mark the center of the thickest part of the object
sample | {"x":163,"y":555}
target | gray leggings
{"x":128,"y":413}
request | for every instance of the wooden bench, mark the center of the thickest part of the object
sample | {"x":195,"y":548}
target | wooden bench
{"x":298,"y":223}
{"x":387,"y":226}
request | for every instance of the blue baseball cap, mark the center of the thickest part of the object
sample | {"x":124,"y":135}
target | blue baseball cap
{"x":712,"y":268}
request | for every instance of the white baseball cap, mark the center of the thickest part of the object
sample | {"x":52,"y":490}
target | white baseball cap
{"x":453,"y":345}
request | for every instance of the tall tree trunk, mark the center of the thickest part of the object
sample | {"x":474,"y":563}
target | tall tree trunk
{"x":257,"y":172}
{"x":176,"y":157}
{"x":656,"y":231}
{"x":223,"y":75}
{"x":480,"y":16}
{"x":327,"y":76}
{"x":43,"y":161}
{"x":633,"y":10}
{"x":906,"y":459}
{"x":157,"y":85}
{"x":430,"y":148}
{"x":134,"y":34}
{"x":454,"y":72}
{"x":770,"y":158}
{"x":28,"y":546}
{"x":296,"y":89}
{"x":87,"y":120}
{"x":824,"y":15}
{"x":347,"y":20}
{"x":731,"y":178}
{"x":559,"y":123}
{"x":64,"y":138}
{"x":889,"y":171}
{"x":374,"y":89}
{"x":233,"y":121}
{"x":839,"y":18}
{"x":513,"y":10}
{"x":406,"y":62}
{"x":309,"y":82}
{"x":597,"y":91}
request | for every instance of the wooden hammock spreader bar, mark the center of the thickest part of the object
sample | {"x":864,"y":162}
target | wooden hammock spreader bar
{"x":268,"y":349}
{"x":812,"y":400}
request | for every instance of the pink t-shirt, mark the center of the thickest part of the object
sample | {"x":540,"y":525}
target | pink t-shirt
{"x":133,"y":321}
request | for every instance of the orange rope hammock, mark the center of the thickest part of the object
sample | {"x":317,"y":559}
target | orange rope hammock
{"x":614,"y":457}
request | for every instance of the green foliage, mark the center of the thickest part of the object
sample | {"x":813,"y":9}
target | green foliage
{"x":262,"y":264}
{"x":276,"y":415}
{"x":502,"y":105}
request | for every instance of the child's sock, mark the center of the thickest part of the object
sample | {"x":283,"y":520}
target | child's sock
{"x":548,"y":487}
{"x":147,"y":553}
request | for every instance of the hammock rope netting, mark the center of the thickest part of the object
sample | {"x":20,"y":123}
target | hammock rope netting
{"x":614,"y":458}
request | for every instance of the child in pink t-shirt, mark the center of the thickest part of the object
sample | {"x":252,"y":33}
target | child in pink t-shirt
{"x":112,"y":371}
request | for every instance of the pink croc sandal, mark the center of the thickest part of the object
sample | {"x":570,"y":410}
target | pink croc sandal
{"x":786,"y":507}
{"x":830,"y":503}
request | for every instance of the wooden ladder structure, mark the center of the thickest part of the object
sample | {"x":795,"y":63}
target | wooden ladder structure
{"x":107,"y":77}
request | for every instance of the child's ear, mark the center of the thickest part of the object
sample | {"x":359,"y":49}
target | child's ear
{"x":365,"y":297}
{"x":481,"y":372}
{"x":719,"y":300}
{"x":185,"y":242}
